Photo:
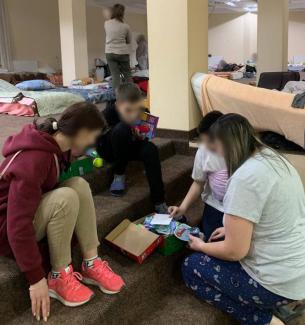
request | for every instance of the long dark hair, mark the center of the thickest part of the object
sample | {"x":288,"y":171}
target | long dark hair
{"x":76,"y":117}
{"x":118,"y":12}
{"x":239,"y":141}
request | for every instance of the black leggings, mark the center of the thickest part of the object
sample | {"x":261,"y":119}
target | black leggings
{"x":119,"y":146}
{"x":211,"y":220}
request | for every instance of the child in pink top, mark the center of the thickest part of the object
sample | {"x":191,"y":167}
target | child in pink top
{"x":210,"y":180}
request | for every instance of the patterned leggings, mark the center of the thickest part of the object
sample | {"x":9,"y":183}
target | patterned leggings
{"x":228,"y":287}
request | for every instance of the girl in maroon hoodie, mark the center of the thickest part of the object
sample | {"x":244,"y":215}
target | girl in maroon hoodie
{"x":33,"y":205}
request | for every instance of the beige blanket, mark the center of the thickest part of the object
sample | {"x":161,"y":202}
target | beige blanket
{"x":267,"y":110}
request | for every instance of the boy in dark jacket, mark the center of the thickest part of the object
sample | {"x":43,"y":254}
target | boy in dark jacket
{"x":123,"y":143}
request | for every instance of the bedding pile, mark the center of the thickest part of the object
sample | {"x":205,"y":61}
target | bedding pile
{"x":296,"y":67}
{"x":18,"y":106}
{"x":267,"y":110}
{"x":90,"y":93}
{"x":294,"y":87}
{"x":42,"y":103}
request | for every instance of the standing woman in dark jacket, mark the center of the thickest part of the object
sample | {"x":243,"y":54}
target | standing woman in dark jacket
{"x":34,"y":206}
{"x":118,"y":38}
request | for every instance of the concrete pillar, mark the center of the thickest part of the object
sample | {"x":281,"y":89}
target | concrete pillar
{"x":73,"y":39}
{"x":272,"y":35}
{"x":178,"y":47}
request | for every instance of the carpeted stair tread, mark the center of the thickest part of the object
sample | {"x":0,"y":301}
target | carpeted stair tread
{"x":100,"y":178}
{"x":144,"y":282}
{"x":110,"y":212}
{"x":180,"y":306}
{"x":136,"y":201}
{"x":13,"y":288}
{"x":166,"y":147}
{"x":14,"y":302}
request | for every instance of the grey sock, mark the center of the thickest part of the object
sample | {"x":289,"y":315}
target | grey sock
{"x":120,"y":178}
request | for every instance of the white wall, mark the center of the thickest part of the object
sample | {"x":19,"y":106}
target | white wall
{"x":34,"y":26}
{"x":233,"y":36}
{"x":296,"y":35}
{"x":34,"y":31}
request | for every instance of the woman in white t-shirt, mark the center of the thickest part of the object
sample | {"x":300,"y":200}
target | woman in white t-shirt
{"x":210,"y":180}
{"x":260,"y":265}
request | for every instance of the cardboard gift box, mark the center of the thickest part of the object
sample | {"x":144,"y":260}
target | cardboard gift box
{"x":134,"y":240}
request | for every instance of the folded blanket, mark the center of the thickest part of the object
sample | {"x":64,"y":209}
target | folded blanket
{"x":267,"y":110}
{"x":17,"y":109}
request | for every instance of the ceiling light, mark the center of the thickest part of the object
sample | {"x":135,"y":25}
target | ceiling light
{"x":231,"y":4}
{"x":251,"y":8}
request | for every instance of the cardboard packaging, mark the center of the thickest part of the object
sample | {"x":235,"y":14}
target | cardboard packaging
{"x":133,"y":240}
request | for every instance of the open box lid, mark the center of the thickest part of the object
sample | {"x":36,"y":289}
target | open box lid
{"x":132,"y":238}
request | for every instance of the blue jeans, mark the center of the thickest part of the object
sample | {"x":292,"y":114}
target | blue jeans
{"x":228,"y":287}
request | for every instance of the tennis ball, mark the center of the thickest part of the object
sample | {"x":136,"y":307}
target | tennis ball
{"x":98,"y":162}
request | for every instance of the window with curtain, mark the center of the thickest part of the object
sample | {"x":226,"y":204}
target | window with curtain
{"x":5,"y":47}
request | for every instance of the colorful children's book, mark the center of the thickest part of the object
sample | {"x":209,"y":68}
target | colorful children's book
{"x":147,"y":125}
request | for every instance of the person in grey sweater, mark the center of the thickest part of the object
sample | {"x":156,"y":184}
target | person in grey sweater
{"x":118,"y":38}
{"x":142,"y":52}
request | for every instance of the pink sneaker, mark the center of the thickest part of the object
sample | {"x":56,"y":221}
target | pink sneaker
{"x":101,"y":275}
{"x":68,"y":289}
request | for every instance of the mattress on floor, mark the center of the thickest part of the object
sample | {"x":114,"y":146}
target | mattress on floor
{"x":197,"y":81}
{"x":267,"y":110}
{"x":93,"y":96}
{"x":47,"y":102}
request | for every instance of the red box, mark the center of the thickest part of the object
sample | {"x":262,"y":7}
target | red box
{"x":133,"y":240}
